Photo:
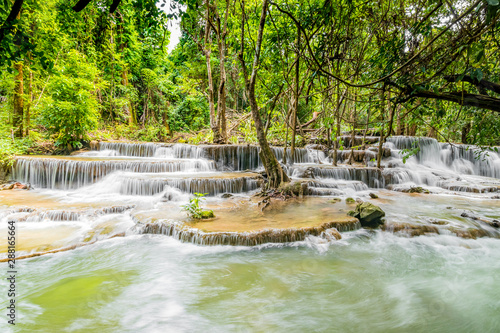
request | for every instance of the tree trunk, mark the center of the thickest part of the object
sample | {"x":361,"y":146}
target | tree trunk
{"x":221,"y":100}
{"x":30,"y":102}
{"x":17,"y":119}
{"x":465,"y":133}
{"x":132,"y":120}
{"x":296,"y":99}
{"x":274,"y":171}
{"x":207,"y":50}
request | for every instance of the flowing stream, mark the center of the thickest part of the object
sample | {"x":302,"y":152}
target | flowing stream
{"x":138,"y":264}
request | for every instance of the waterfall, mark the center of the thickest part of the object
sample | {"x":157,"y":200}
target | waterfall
{"x":67,"y":173}
{"x":211,"y":186}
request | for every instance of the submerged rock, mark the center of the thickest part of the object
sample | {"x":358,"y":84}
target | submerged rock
{"x":410,"y":230}
{"x":334,"y":200}
{"x":350,"y":201}
{"x":373,"y":195}
{"x":368,"y":214}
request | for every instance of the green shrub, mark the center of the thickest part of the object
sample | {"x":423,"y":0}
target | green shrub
{"x":194,"y":210}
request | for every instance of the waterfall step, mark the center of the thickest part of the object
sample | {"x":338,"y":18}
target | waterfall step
{"x":210,"y":183}
{"x":372,"y":177}
{"x":228,"y":157}
{"x":244,"y":223}
{"x":66,"y":172}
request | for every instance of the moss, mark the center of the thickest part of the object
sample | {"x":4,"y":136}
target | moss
{"x":350,"y":201}
{"x":417,"y":189}
{"x":207,"y":214}
{"x":335,"y":200}
{"x":373,"y":195}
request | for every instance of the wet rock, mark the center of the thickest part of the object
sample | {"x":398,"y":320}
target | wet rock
{"x":332,"y":234}
{"x":470,"y":233}
{"x":416,"y":189}
{"x":15,"y":186}
{"x":226,"y":195}
{"x":303,"y":173}
{"x":334,"y":200}
{"x":78,"y":152}
{"x":491,"y":223}
{"x":368,"y":214}
{"x":373,"y":195}
{"x":350,"y":201}
{"x":436,"y":222}
{"x":411,"y":230}
{"x":294,"y":188}
{"x":359,"y":201}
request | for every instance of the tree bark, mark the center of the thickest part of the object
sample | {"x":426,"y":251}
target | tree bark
{"x":207,"y":50}
{"x":274,"y":171}
{"x":221,"y":100}
{"x":488,"y":85}
{"x":463,"y":98}
{"x":30,"y":102}
{"x":296,"y":99}
{"x":17,"y":119}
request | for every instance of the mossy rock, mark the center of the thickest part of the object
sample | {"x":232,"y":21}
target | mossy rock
{"x":207,"y":214}
{"x":417,"y":189}
{"x":334,"y":200}
{"x":373,"y":195}
{"x":294,"y":188}
{"x":368,"y":214}
{"x":350,"y":201}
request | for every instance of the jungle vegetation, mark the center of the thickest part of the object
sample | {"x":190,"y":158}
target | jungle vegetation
{"x":280,"y":72}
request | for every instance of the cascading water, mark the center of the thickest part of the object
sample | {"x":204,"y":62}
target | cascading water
{"x":109,"y":249}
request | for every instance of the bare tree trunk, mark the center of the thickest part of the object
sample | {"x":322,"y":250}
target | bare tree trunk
{"x":207,"y":51}
{"x":465,"y":133}
{"x":353,"y":134}
{"x":221,"y":100}
{"x":17,"y":119}
{"x":296,"y":98}
{"x":274,"y":171}
{"x":30,"y":102}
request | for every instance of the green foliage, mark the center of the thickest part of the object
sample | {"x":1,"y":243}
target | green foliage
{"x":190,"y":114}
{"x":201,"y":137}
{"x":70,"y":110}
{"x":407,"y":153}
{"x":193,"y":208}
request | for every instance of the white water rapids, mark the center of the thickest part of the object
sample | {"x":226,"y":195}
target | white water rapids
{"x":445,"y":280}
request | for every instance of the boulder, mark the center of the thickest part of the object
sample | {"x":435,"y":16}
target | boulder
{"x":373,"y":195}
{"x":368,"y":214}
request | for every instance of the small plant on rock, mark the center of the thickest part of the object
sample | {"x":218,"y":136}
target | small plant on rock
{"x":194,"y":210}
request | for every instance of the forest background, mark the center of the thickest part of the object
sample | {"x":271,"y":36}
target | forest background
{"x":268,"y":72}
